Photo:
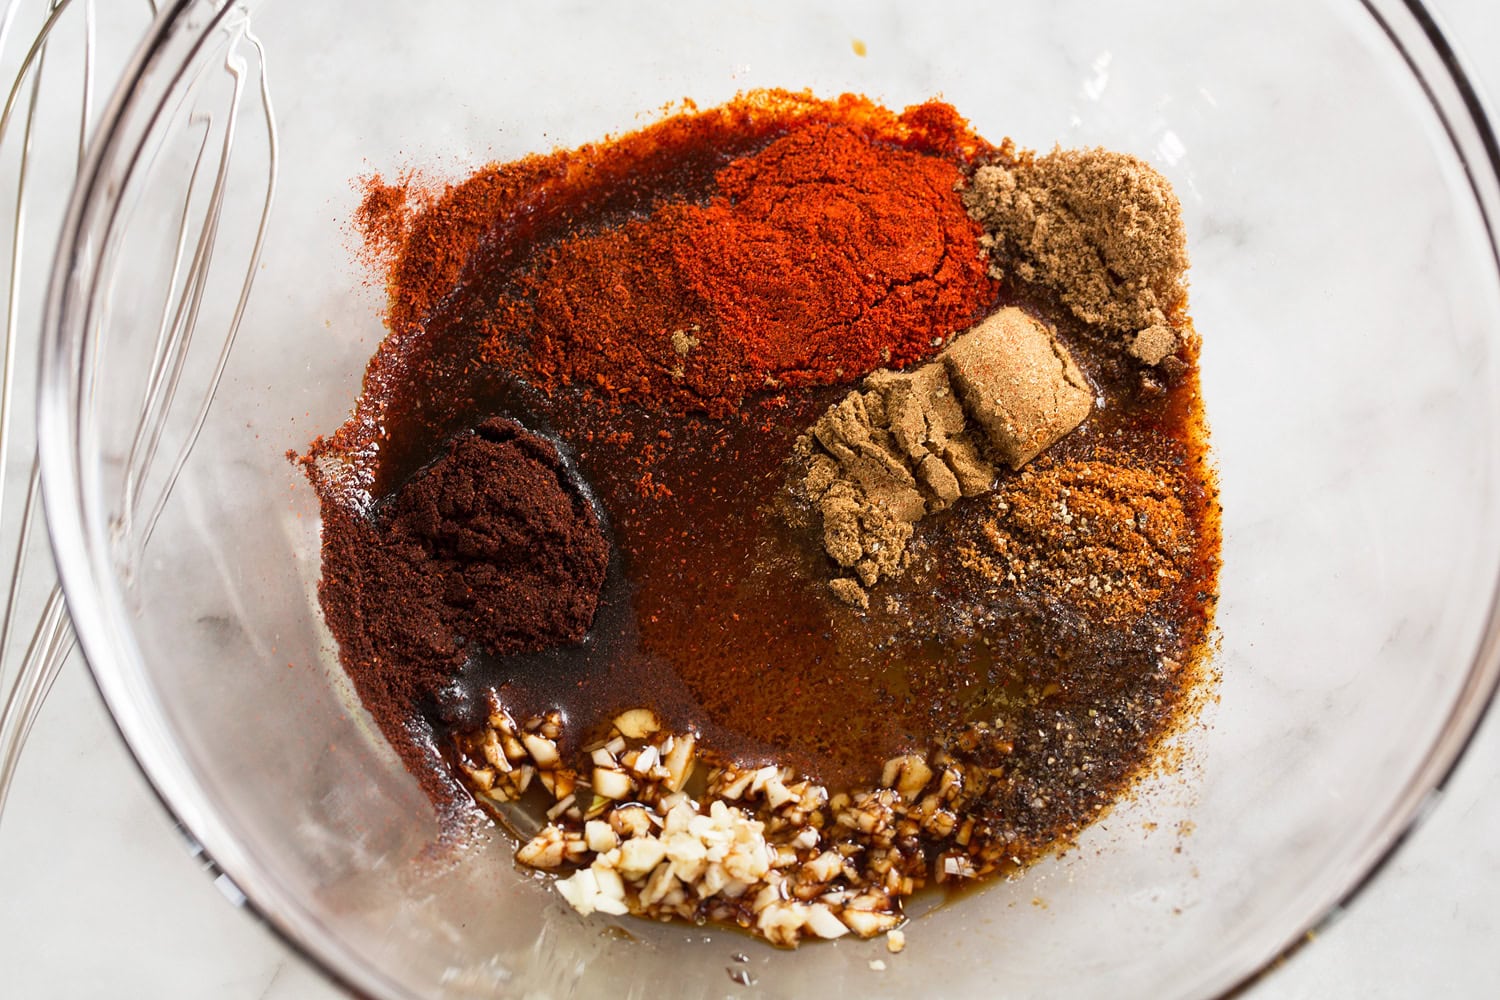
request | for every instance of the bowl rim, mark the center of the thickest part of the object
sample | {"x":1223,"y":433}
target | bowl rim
{"x":80,"y":543}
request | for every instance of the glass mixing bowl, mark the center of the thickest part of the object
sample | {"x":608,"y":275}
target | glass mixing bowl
{"x":1339,"y":190}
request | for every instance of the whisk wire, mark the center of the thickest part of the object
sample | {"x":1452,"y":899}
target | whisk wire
{"x":182,"y":324}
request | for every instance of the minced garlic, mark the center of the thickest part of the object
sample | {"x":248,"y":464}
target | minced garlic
{"x":760,"y":847}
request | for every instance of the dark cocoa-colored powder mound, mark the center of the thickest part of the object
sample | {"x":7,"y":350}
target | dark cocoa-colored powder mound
{"x":489,"y":548}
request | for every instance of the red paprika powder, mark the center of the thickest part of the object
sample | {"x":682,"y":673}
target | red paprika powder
{"x":820,"y":258}
{"x":825,"y":241}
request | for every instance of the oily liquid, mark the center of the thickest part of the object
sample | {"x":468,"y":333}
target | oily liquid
{"x":721,"y":620}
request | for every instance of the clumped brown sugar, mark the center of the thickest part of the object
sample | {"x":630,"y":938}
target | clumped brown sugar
{"x":785,"y":506}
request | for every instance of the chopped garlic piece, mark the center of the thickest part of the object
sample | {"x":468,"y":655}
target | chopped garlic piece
{"x":821,"y":921}
{"x":640,"y":855}
{"x":580,"y":890}
{"x":543,"y":751}
{"x":612,"y":784}
{"x":637,"y":723}
{"x":600,"y":837}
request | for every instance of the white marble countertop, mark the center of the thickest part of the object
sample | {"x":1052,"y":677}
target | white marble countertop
{"x":102,"y":899}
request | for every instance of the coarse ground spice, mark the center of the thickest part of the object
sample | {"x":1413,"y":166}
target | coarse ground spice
{"x":1110,"y":539}
{"x":490,"y":548}
{"x":1102,"y":229}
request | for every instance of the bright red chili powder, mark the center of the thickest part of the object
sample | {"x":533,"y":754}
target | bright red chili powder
{"x":818,"y":259}
{"x":827,"y":241}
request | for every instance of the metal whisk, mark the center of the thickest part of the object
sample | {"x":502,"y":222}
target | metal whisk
{"x":45,"y":92}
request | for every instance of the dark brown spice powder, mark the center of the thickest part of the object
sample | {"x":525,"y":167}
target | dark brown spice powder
{"x":490,"y":548}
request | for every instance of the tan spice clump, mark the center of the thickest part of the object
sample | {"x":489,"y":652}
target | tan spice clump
{"x":1102,"y":229}
{"x":880,"y":460}
{"x":1108,"y":539}
{"x":909,"y":444}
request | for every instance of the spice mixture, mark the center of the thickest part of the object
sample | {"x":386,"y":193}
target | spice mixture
{"x":779,"y":508}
